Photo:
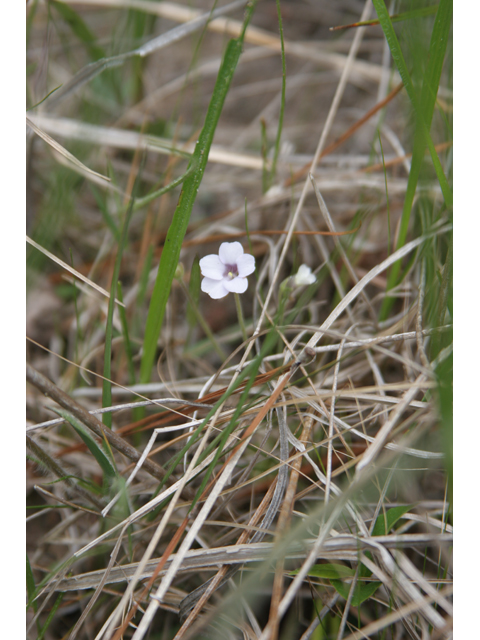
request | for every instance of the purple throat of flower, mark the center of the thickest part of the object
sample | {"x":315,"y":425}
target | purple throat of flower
{"x":231,"y":271}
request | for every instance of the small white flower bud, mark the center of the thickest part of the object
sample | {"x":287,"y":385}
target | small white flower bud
{"x":304,"y":276}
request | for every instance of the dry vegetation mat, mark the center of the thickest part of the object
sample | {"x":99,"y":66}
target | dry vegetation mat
{"x":239,"y":319}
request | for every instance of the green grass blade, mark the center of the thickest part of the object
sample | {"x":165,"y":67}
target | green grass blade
{"x":248,"y":235}
{"x":126,"y":336}
{"x":37,"y":104}
{"x":141,"y":26}
{"x":422,"y":12}
{"x":282,"y":103}
{"x":329,"y":571}
{"x":438,"y":46}
{"x":176,"y":232}
{"x":31,"y":588}
{"x":385,"y":177}
{"x":31,"y":591}
{"x":442,"y":304}
{"x":264,"y":154}
{"x":142,"y":202}
{"x":97,"y":452}
{"x":143,"y":280}
{"x":444,"y":375}
{"x":79,"y":28}
{"x":423,"y":109}
{"x":51,"y":615}
{"x":107,"y":365}
{"x":102,"y":205}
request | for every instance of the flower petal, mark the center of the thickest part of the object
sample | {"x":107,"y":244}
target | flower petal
{"x":215,"y":288}
{"x":230,"y":252}
{"x":237,"y":285}
{"x":245,"y":265}
{"x":212,"y":267}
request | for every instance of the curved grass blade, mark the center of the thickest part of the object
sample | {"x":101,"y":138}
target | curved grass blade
{"x":97,"y":452}
{"x":176,"y":232}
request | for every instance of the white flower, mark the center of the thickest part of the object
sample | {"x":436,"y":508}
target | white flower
{"x":226,"y":272}
{"x":304,"y":276}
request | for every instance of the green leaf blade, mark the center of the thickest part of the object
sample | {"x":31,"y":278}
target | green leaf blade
{"x":99,"y":455}
{"x":330,"y":571}
{"x":363,"y":591}
{"x":393,"y":515}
